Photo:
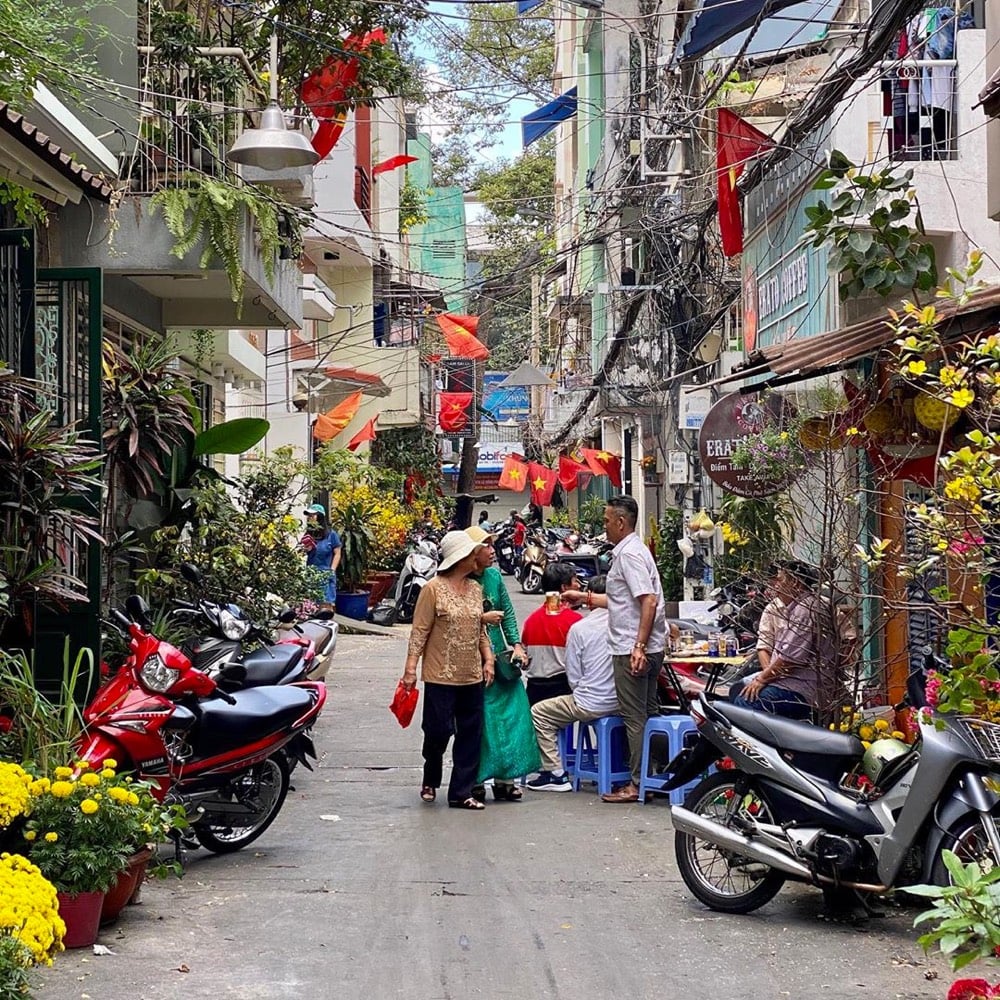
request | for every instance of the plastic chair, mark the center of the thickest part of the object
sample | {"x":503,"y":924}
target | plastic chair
{"x":673,"y":727}
{"x":601,"y":757}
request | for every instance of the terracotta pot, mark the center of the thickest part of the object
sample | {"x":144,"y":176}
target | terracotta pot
{"x":125,"y":888}
{"x":379,"y":585}
{"x":82,"y":915}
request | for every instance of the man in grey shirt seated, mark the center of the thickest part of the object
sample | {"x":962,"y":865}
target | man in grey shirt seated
{"x":789,"y":683}
{"x":591,"y":677}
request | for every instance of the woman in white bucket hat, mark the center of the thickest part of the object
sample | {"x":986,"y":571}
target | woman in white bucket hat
{"x":457,"y":660}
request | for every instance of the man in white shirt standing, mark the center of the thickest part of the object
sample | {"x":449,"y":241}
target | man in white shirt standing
{"x":591,"y":677}
{"x":637,"y":630}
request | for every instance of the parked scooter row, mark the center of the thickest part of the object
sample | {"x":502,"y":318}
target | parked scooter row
{"x":419,"y":567}
{"x":223,"y":757}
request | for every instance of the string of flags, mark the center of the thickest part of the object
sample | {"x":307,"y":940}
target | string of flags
{"x":574,"y":470}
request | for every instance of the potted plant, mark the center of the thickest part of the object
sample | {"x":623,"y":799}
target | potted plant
{"x":355,"y":553}
{"x":31,"y":929}
{"x":80,"y":832}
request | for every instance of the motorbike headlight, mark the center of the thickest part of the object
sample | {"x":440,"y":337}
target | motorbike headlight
{"x":157,"y":676}
{"x":231,"y":626}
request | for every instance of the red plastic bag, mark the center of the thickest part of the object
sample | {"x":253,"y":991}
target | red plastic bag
{"x":404,"y":704}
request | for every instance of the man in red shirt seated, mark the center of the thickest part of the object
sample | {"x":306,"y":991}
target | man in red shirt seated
{"x":544,"y":636}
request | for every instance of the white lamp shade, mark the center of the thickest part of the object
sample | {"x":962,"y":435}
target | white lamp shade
{"x":273,"y":146}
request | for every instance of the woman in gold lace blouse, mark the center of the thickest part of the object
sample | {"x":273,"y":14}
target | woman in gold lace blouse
{"x":457,"y":657}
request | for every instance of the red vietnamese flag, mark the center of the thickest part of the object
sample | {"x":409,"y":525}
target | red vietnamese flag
{"x":543,"y":483}
{"x":392,"y":163}
{"x":570,"y":471}
{"x":326,"y":91}
{"x":460,"y":336}
{"x":515,"y":474}
{"x":603,"y":463}
{"x":737,"y":141}
{"x":328,"y":425}
{"x":367,"y":433}
{"x":454,"y":413}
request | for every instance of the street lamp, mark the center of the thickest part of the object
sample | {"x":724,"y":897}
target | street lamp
{"x":273,"y":146}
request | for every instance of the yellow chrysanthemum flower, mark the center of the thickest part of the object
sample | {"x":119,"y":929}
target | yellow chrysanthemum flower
{"x":61,"y":789}
{"x":64,"y":772}
{"x":82,"y":765}
{"x":866,"y":733}
{"x":118,"y":794}
{"x":107,"y":773}
{"x":110,"y":763}
{"x":881,"y":725}
{"x":30,"y":835}
{"x":897,"y":735}
{"x":52,"y":836}
{"x":88,"y":807}
{"x":89,"y":780}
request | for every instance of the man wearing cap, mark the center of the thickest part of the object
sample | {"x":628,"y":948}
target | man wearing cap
{"x":323,"y":547}
{"x":789,"y":683}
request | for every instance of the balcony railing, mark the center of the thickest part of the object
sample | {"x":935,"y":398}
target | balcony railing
{"x":190,"y":115}
{"x":919,"y":110}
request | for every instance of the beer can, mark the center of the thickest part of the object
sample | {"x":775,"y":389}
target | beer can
{"x":552,"y":602}
{"x":732,"y":646}
{"x":713,"y":645}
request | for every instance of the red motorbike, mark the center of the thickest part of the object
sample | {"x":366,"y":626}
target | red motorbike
{"x":223,"y":757}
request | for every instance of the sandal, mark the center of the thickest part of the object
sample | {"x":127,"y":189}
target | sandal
{"x":504,"y":792}
{"x":469,"y":803}
{"x":428,"y":794}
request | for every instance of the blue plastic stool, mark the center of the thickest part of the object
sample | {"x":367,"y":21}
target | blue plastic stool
{"x":674,"y":727}
{"x":603,"y":757}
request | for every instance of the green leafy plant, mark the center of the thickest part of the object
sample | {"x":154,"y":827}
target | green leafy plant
{"x":866,"y":230}
{"x":412,"y":207}
{"x":27,"y":208}
{"x":756,"y":532}
{"x":211,"y":213}
{"x":42,"y":728}
{"x":669,"y":561}
{"x":46,"y":473}
{"x":15,"y":968}
{"x":965,"y":914}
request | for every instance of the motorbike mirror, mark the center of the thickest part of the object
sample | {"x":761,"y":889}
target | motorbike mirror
{"x":138,"y":610}
{"x":191,"y":573}
{"x":287,"y":616}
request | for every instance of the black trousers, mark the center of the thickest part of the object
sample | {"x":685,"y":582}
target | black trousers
{"x":543,"y":688}
{"x":453,"y":710}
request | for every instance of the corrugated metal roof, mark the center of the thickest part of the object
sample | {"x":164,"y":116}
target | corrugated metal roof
{"x":16,"y":125}
{"x":839,"y":348}
{"x":369,"y":383}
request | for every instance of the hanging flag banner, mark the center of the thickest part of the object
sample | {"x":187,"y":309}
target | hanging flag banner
{"x":326,"y":92}
{"x":570,"y":472}
{"x":737,"y":141}
{"x":393,"y":163}
{"x":328,"y":425}
{"x":543,"y":483}
{"x":460,"y":336}
{"x":367,"y":433}
{"x":515,"y":474}
{"x":544,"y":119}
{"x":454,"y":415}
{"x":604,"y":463}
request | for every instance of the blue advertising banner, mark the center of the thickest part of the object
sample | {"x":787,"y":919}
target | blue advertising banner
{"x":513,"y":403}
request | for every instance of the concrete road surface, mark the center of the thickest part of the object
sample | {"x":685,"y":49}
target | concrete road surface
{"x":361,"y":892}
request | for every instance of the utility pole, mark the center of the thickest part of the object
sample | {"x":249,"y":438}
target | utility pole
{"x":535,"y":356}
{"x":470,"y":455}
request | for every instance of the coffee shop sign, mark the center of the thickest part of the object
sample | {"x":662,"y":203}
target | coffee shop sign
{"x":783,"y":287}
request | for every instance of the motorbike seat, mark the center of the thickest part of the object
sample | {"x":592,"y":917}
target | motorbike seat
{"x":320,"y":634}
{"x":270,"y":665}
{"x":257,"y":712}
{"x":790,"y":734}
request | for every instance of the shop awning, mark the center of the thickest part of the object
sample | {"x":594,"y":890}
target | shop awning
{"x":544,"y":119}
{"x":716,"y":20}
{"x":795,"y":360}
{"x":368,"y":383}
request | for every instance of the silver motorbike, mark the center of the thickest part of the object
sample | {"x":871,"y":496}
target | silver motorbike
{"x":792,"y":805}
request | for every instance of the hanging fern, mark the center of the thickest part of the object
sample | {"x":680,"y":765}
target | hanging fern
{"x":210,"y":212}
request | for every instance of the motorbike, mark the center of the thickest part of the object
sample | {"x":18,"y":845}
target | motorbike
{"x":791,"y":805}
{"x":534,"y":559}
{"x":303,"y":651}
{"x":418,"y":568}
{"x":503,"y":547}
{"x":222,"y":756}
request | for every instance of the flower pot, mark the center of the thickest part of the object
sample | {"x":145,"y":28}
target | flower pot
{"x":125,"y":887}
{"x":379,"y":584}
{"x":353,"y":605}
{"x":81,"y":913}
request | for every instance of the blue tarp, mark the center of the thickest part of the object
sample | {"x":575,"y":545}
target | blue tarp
{"x":544,"y":119}
{"x":524,"y":6}
{"x":717,"y":20}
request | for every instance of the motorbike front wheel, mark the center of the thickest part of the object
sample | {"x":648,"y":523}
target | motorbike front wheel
{"x":720,"y":878}
{"x":531,"y":583}
{"x":968,"y":839}
{"x":406,"y":606}
{"x":261,"y":789}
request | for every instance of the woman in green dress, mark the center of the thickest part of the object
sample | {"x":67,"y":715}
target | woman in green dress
{"x":509,"y":748}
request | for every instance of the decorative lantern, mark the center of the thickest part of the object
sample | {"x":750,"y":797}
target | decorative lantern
{"x":934,"y":413}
